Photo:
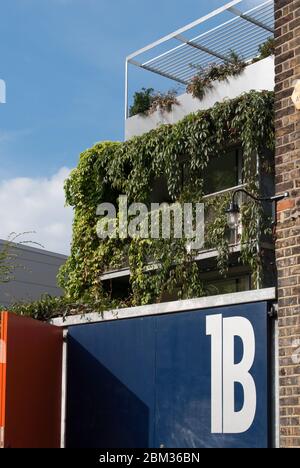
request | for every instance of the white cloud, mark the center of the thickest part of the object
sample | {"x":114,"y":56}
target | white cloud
{"x":12,"y":135}
{"x":37,"y":205}
{"x":2,"y":92}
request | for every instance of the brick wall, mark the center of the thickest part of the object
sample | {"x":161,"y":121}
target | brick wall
{"x":287,"y":16}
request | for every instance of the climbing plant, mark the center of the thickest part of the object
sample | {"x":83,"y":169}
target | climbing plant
{"x":132,"y":168}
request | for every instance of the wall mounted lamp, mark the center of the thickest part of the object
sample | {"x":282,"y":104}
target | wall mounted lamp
{"x":233,"y":210}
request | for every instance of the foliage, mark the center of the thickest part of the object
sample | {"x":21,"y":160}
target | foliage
{"x":265,"y":50}
{"x":164,"y":102}
{"x":141,"y":101}
{"x":148,"y":101}
{"x":48,"y":307}
{"x":110,"y":169}
{"x":203,"y":81}
{"x":199,"y":85}
{"x":44,"y":309}
{"x":9,"y":253}
{"x":6,"y":263}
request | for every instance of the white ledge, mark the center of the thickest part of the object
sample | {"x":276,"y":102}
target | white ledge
{"x":258,"y":295}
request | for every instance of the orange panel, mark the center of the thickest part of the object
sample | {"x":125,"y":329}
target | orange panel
{"x":33,"y":384}
{"x":3,"y":340}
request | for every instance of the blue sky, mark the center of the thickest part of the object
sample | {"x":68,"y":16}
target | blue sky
{"x":63,"y":64}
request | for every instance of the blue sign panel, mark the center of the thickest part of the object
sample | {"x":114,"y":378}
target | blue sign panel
{"x":111,"y":383}
{"x":186,"y":380}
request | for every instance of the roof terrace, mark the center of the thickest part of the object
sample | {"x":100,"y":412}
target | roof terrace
{"x":210,"y":40}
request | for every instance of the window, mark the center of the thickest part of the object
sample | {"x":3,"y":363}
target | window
{"x":229,"y":286}
{"x":223,"y":172}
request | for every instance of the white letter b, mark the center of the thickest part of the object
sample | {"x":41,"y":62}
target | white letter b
{"x":225,"y":374}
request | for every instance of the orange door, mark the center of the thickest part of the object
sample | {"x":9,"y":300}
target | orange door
{"x":30,"y":383}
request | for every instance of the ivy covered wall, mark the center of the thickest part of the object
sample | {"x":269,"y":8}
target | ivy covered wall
{"x":110,"y":169}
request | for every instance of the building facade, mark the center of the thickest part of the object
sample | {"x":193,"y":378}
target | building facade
{"x":287,"y":163}
{"x":287,"y":178}
{"x":171,"y":364}
{"x":34,"y":275}
{"x":217,"y":146}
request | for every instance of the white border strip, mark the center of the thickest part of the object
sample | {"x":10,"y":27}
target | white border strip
{"x":64,"y":391}
{"x":2,"y":352}
{"x":2,"y":437}
{"x":258,"y":295}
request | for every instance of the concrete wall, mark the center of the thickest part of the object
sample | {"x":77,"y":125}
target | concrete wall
{"x":35,"y":275}
{"x":258,"y":76}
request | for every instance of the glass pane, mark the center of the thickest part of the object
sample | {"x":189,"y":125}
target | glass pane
{"x":228,"y":286}
{"x":222,"y":173}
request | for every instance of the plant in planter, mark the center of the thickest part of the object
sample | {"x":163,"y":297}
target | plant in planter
{"x":147,"y":101}
{"x":164,"y":102}
{"x":142,"y":101}
{"x":265,"y":50}
{"x":222,"y":72}
{"x":203,"y":81}
{"x":199,"y":85}
{"x":236,"y":66}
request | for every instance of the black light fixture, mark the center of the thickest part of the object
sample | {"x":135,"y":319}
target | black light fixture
{"x":233,"y":210}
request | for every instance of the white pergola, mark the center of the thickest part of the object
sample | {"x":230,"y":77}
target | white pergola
{"x":243,"y":34}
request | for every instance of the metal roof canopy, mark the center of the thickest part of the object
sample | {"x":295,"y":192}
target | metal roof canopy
{"x":242,"y":34}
